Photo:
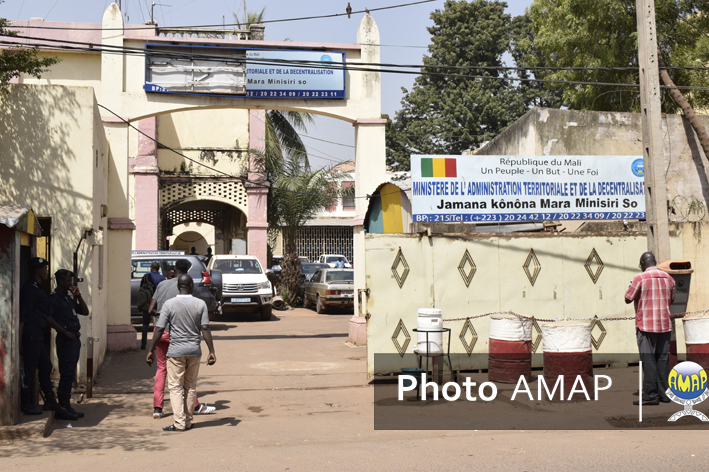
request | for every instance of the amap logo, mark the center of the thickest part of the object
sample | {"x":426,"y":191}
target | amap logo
{"x":326,"y":60}
{"x":638,"y":168}
{"x":688,"y":387}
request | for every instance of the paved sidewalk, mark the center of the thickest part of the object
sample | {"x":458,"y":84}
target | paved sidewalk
{"x":292,"y":395}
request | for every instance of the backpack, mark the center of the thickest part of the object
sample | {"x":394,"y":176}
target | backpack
{"x":145,"y":292}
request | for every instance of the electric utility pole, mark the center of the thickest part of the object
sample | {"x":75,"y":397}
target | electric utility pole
{"x":658,"y":233}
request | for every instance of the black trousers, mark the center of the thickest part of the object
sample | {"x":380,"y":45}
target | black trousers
{"x":68,"y":352}
{"x":146,"y":327}
{"x":654,"y":351}
{"x":35,"y":357}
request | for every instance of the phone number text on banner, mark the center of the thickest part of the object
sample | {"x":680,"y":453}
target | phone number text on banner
{"x":474,"y":189}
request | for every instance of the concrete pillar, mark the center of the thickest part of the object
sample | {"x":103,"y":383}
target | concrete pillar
{"x":257,"y":224}
{"x":370,"y":166}
{"x":370,"y":172}
{"x":145,"y":169}
{"x":120,"y":332}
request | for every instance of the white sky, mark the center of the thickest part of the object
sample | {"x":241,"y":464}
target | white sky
{"x":397,"y":27}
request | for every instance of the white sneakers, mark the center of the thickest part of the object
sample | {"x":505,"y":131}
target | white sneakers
{"x":204,"y":409}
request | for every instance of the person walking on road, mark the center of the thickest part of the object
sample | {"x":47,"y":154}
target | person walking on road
{"x":652,"y":291}
{"x":148,"y":285}
{"x":188,"y":319}
{"x":67,"y":303}
{"x":166,"y":291}
{"x":34,"y":315}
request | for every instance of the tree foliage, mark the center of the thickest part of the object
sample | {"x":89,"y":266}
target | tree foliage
{"x":447,"y":113}
{"x":297,"y":194}
{"x":603,"y":33}
{"x":20,"y":60}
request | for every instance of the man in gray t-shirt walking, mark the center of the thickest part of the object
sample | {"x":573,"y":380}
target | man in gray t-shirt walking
{"x":188,"y":319}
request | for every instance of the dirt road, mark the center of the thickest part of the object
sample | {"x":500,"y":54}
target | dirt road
{"x":292,"y":395}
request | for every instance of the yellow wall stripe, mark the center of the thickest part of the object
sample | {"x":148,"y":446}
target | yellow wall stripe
{"x":391,"y":208}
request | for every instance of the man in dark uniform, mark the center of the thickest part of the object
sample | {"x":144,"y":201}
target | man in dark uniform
{"x":67,"y":303}
{"x":34,"y":315}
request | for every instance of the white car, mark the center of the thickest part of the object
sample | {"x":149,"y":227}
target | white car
{"x":331,"y":260}
{"x":244,"y":283}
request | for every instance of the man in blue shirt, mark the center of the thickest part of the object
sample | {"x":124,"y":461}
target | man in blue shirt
{"x":66,"y":304}
{"x":340,"y":264}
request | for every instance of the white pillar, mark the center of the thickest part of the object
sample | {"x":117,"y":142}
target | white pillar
{"x":370,"y":160}
{"x":120,"y":331}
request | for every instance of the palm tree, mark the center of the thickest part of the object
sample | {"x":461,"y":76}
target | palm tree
{"x":250,"y":18}
{"x":296,"y":193}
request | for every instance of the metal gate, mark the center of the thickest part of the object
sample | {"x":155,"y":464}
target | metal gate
{"x":315,"y":240}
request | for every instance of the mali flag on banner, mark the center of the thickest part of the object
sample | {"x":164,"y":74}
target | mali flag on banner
{"x":438,"y":167}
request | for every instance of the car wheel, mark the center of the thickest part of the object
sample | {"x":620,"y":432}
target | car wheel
{"x":266,"y":311}
{"x":319,"y":307}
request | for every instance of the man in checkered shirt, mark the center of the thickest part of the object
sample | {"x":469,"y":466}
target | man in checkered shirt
{"x":653,"y":291}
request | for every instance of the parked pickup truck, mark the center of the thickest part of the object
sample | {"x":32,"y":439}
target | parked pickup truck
{"x":245,"y":286}
{"x":330,"y":288}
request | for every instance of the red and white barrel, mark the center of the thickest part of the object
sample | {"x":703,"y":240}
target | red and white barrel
{"x":696,"y":338}
{"x":567,"y":353}
{"x":510,"y":353}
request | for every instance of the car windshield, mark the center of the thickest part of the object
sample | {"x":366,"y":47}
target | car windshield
{"x":311,"y":268}
{"x":335,"y":259}
{"x":303,"y":259}
{"x":238,"y":266}
{"x":340,"y":276}
{"x":142,"y":267}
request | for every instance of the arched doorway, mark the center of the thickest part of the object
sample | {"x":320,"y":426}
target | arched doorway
{"x":186,"y":240}
{"x":193,"y":221}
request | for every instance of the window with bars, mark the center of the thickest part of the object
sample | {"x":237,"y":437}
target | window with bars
{"x":348,"y":202}
{"x":315,"y":240}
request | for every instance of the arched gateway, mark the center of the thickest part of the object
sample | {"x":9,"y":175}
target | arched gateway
{"x":159,"y":201}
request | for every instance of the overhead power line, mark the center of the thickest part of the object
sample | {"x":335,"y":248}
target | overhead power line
{"x":282,"y":20}
{"x":333,"y":64}
{"x":340,"y":66}
{"x":326,"y":141}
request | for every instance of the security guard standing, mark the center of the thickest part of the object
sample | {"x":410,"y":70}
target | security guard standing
{"x":67,"y":303}
{"x":34,"y":315}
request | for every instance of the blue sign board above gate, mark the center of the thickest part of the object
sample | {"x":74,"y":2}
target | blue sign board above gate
{"x":252,"y":73}
{"x":295,"y":74}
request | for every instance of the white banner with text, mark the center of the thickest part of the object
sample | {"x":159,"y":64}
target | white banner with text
{"x":460,"y":189}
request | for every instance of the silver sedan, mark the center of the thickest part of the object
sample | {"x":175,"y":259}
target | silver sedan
{"x":330,"y":288}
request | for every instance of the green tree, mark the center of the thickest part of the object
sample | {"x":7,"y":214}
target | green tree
{"x":449,"y":113}
{"x":20,"y":60}
{"x":250,"y":18}
{"x":603,"y":33}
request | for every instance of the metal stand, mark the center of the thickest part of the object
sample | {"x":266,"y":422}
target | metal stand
{"x":437,"y":371}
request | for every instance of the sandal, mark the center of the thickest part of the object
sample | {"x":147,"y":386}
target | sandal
{"x":157,"y":413}
{"x":172,"y":427}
